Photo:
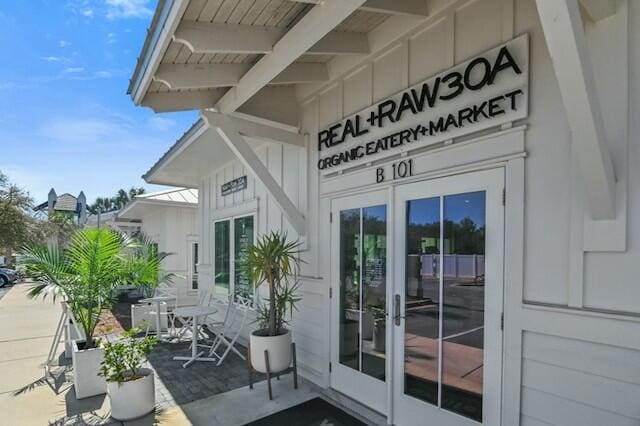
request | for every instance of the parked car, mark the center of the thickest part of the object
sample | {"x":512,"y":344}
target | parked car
{"x":7,"y":276}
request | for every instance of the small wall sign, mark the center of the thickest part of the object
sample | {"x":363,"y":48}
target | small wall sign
{"x":234,"y":186}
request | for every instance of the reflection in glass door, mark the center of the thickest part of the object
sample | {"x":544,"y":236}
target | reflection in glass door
{"x":359,"y":284}
{"x":363,"y":259}
{"x":444,"y":303}
{"x":448,"y":287}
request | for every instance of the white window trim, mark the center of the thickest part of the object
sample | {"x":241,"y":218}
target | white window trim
{"x":253,"y":214}
{"x":190,"y":270}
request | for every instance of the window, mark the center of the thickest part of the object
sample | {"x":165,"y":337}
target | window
{"x":232,"y":237}
{"x":193,"y":265}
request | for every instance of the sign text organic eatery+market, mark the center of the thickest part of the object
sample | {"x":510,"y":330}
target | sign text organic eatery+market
{"x":488,"y":90}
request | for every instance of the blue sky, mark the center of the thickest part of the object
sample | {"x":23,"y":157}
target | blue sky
{"x":65,"y":118}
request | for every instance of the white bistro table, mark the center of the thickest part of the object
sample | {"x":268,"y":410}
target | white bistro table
{"x":194,"y":312}
{"x":158,"y":300}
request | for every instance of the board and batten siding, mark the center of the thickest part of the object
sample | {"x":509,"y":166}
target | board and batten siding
{"x":572,"y":334}
{"x":172,"y":227}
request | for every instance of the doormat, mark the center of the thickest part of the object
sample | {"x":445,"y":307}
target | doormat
{"x":315,"y":412}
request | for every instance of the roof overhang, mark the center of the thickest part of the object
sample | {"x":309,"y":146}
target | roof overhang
{"x":199,"y":55}
{"x":138,"y":208}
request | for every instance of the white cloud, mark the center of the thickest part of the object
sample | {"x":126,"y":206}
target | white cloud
{"x":55,"y":59}
{"x":88,"y":12}
{"x":161,"y":124}
{"x":73,"y":70}
{"x":111,"y":38}
{"x":128,"y":9}
{"x":63,"y":43}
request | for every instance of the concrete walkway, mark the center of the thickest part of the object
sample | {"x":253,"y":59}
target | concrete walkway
{"x":28,"y":398}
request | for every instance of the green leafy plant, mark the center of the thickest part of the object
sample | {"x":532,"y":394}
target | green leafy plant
{"x":141,"y":265}
{"x":273,"y":260}
{"x":84,"y":274}
{"x":123,"y":358}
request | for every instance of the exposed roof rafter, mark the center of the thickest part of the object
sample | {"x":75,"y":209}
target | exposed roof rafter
{"x":203,"y":76}
{"x":391,"y":7}
{"x":212,"y":38}
{"x":315,"y":25}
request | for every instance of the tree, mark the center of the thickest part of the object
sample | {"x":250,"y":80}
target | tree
{"x":15,"y":220}
{"x":118,"y":201}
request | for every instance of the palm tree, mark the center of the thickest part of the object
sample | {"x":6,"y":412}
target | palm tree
{"x":84,"y":274}
{"x":141,"y":265}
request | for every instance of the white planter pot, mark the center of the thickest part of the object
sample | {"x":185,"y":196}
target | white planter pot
{"x":70,"y":334}
{"x":130,"y":400}
{"x":278,"y":348}
{"x":140,"y":313}
{"x":86,"y":365}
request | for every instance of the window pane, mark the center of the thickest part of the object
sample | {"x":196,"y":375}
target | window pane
{"x":350,"y":287}
{"x":222,"y":256}
{"x":463,"y":303}
{"x":422,"y":297}
{"x":243,"y":238}
{"x":374,"y":288}
{"x":194,"y":266}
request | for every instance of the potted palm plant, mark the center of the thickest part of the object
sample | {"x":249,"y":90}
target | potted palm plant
{"x":130,"y":387}
{"x":272,"y":260}
{"x":84,"y":275}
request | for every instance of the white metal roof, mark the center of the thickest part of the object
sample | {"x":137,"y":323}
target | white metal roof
{"x":176,"y":195}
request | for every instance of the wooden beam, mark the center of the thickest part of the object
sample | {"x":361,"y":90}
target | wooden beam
{"x":182,"y":101}
{"x":564,"y":33}
{"x":254,"y":129}
{"x":391,"y":7}
{"x":236,"y":142}
{"x":199,"y":76}
{"x":313,"y":26}
{"x":212,"y":38}
{"x":599,"y":9}
{"x":203,"y":76}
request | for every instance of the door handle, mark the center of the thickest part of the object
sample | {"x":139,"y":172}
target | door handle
{"x":397,"y":316}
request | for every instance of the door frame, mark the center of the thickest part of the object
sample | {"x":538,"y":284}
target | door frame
{"x":344,"y":379}
{"x":493,"y":182}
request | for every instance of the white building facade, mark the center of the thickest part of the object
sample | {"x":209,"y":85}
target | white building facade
{"x":169,"y":218}
{"x":463,"y":176}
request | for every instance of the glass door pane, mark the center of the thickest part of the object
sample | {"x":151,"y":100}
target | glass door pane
{"x":444,"y":301}
{"x":243,"y":238}
{"x":363,"y":287}
{"x":222,"y":256}
{"x":374,"y":290}
{"x":350,"y":254}
{"x":463,"y":303}
{"x":422,"y":310}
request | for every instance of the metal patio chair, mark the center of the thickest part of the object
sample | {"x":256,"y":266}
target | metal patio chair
{"x":205,"y":298}
{"x":225,"y":335}
{"x":170,"y":291}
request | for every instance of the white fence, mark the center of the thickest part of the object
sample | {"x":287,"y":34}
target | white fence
{"x":455,"y":265}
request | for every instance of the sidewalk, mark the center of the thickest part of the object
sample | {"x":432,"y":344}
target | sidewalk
{"x":28,"y":398}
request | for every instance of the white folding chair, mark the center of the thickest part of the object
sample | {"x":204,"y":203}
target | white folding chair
{"x":205,"y":298}
{"x":170,"y":291}
{"x":225,"y":335}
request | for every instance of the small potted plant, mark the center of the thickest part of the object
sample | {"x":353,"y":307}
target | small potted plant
{"x":272,"y":260}
{"x":131,"y":388}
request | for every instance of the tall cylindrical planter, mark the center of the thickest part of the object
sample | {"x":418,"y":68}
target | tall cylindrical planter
{"x":86,"y":365}
{"x":133,"y":399}
{"x":278,"y":348}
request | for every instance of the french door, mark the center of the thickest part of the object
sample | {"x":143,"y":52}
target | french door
{"x":359,"y":305}
{"x":447,"y":300}
{"x":416,"y":309}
